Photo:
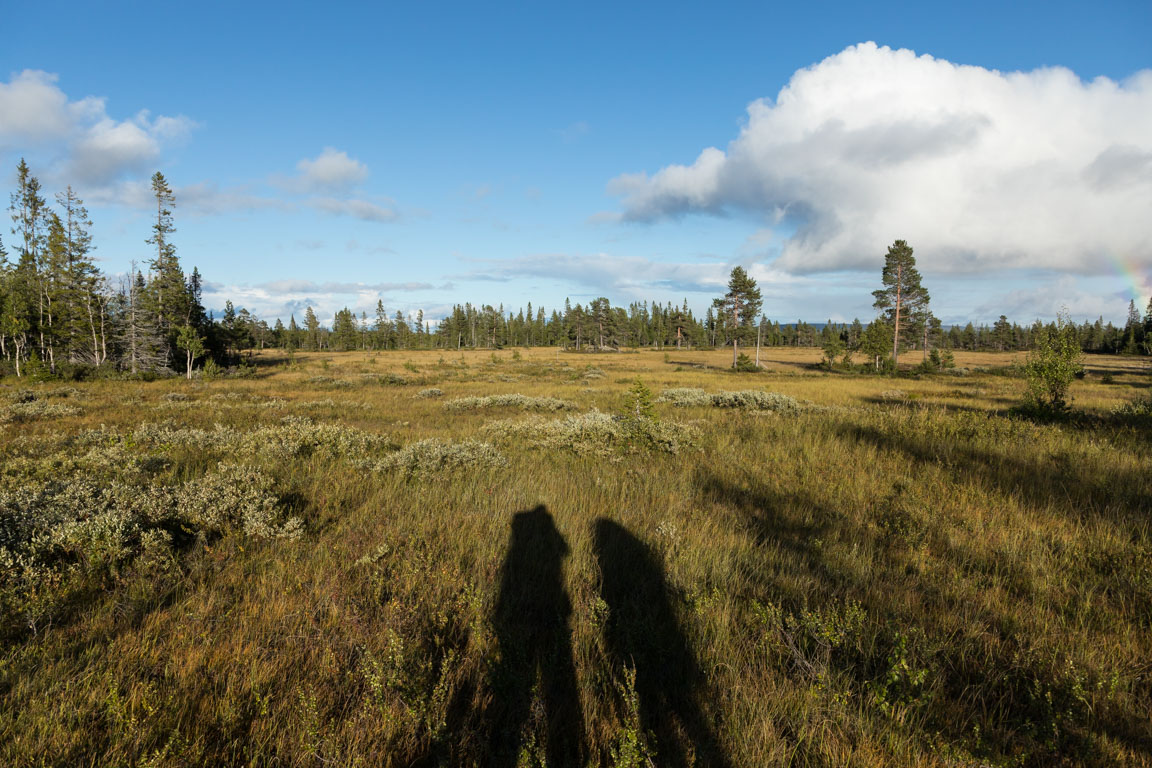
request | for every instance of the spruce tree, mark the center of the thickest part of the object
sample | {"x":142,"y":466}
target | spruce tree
{"x":311,"y":330}
{"x":902,"y":298}
{"x":167,"y":290}
{"x":83,"y":314}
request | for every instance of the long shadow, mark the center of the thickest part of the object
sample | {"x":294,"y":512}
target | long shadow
{"x":963,"y":667}
{"x":642,"y":633}
{"x":535,"y":678}
{"x":1042,"y":481}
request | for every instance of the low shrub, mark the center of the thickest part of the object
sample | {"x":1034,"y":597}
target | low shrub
{"x":429,"y":393}
{"x":435,"y":455}
{"x":36,"y":409}
{"x":747,"y":399}
{"x":594,"y":432}
{"x":1136,"y":412}
{"x":522,"y":402}
{"x":685,"y":397}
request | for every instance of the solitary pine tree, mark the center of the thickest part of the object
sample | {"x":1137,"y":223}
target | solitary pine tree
{"x":740,"y":306}
{"x":902,"y":298}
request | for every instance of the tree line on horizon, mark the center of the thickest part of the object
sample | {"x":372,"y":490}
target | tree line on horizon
{"x":61,"y":315}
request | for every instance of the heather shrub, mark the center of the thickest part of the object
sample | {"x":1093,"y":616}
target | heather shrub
{"x":54,"y":532}
{"x":755,"y":400}
{"x":435,"y":455}
{"x":748,"y":399}
{"x":685,"y":397}
{"x":236,"y":497}
{"x":522,"y":402}
{"x":593,"y":432}
{"x":329,"y":382}
{"x":35,"y":409}
{"x":300,"y":436}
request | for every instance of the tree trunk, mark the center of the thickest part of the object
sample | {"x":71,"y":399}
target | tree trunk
{"x":735,"y":336}
{"x":896,"y":329}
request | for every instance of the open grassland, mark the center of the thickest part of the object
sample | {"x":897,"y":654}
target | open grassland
{"x":436,"y":558}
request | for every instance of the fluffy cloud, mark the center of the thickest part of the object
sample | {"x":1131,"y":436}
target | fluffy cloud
{"x":328,"y":184}
{"x":977,"y":169}
{"x":91,"y":148}
{"x":331,"y":171}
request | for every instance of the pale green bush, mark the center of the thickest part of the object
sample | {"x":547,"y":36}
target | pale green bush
{"x":329,"y":382}
{"x":523,"y":402}
{"x":35,"y":409}
{"x":430,"y":392}
{"x":685,"y":397}
{"x":52,"y":531}
{"x":748,"y":399}
{"x":299,"y":436}
{"x":755,"y":400}
{"x":236,"y":497}
{"x":593,"y":432}
{"x":435,"y":455}
{"x":295,"y":436}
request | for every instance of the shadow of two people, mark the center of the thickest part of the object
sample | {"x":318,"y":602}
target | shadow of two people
{"x":536,"y":675}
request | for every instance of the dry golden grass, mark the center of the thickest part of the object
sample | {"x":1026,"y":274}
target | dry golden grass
{"x":903,"y":573}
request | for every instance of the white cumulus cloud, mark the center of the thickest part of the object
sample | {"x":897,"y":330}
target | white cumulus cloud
{"x":977,"y":169}
{"x":89,"y":146}
{"x":331,"y":171}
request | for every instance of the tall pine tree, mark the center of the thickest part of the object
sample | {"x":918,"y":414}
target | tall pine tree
{"x":902,"y":299}
{"x":739,"y":307}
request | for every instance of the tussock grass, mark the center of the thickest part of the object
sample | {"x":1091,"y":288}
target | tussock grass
{"x":927,"y":580}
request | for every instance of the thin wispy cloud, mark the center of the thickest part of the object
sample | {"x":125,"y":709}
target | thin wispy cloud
{"x":632,"y":277}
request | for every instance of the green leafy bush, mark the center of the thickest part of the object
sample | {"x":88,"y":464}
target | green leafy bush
{"x":1052,"y":365}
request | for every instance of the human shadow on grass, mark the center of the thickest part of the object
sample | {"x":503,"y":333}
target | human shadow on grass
{"x":534,"y":683}
{"x":642,"y":633}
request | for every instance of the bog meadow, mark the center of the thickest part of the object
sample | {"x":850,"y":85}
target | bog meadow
{"x":537,"y":556}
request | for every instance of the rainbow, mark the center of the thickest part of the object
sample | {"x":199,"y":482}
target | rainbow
{"x":1136,"y":280}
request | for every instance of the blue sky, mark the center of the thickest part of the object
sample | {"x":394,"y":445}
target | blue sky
{"x":429,"y":153}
